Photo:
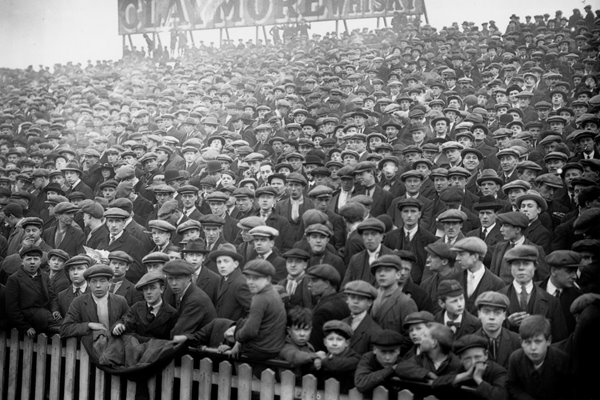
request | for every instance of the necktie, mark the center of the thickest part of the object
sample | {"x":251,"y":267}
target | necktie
{"x":470,"y":284}
{"x":557,"y":292}
{"x":493,"y":346}
{"x":112,"y":239}
{"x":291,"y":286}
{"x":511,"y":245}
{"x":523,"y":298}
{"x":453,"y":325}
{"x":177,"y":302}
{"x":58,"y":238}
{"x":151,"y":316}
{"x":112,"y":287}
{"x":260,"y":257}
{"x":483,"y":233}
{"x":77,"y":292}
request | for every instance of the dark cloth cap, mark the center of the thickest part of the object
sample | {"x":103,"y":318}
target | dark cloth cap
{"x":98,"y":270}
{"x":467,"y":342}
{"x":591,"y":245}
{"x":587,"y":220}
{"x":211,"y":220}
{"x":362,"y":167}
{"x":452,"y":194}
{"x":514,"y":218}
{"x":419,"y":317}
{"x":178,"y":268}
{"x":217,"y":196}
{"x":58,"y":253}
{"x":535,"y":196}
{"x":161,"y":225}
{"x":523,"y":252}
{"x":155,"y":257}
{"x":94,"y":209}
{"x":120,"y":256}
{"x":65,"y":207}
{"x":371,"y":224}
{"x":296,"y":253}
{"x":471,"y":245}
{"x":264,"y":190}
{"x":195,"y":246}
{"x":361,"y":288}
{"x":492,"y":299}
{"x":297,"y":178}
{"x":31,"y":250}
{"x":325,"y":272}
{"x":352,"y":210}
{"x":487,"y":203}
{"x":449,"y":288}
{"x":441,"y":249}
{"x":35,"y":221}
{"x":188,"y":225}
{"x":150,"y":277}
{"x":388,"y":260}
{"x":409,"y":202}
{"x":77,"y":260}
{"x":337,"y":326}
{"x":259,"y":268}
{"x":318,"y":228}
{"x":226,"y":249}
{"x":321,"y":191}
{"x":387,"y":339}
{"x":564,"y":259}
{"x":452,"y":215}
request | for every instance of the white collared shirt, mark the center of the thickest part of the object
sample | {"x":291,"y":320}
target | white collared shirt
{"x":551,"y":288}
{"x":473,"y":279}
{"x":155,"y":308}
{"x":411,"y":232}
{"x":528,"y":287}
{"x":374,"y":255}
{"x":357,"y":319}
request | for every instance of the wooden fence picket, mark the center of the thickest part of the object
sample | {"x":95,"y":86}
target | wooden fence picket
{"x":152,"y":387}
{"x":186,"y":378}
{"x":205,"y":380}
{"x":27,"y":368}
{"x":40,"y":366}
{"x":244,"y":382}
{"x":131,"y":390}
{"x":115,"y":387}
{"x":84,"y":373}
{"x":309,"y":387}
{"x":224,"y":381}
{"x":13,"y":366}
{"x":354,"y":394}
{"x":380,"y":393}
{"x":70,"y":363}
{"x":405,"y":395}
{"x":168,"y":381}
{"x":267,"y":385}
{"x":99,"y":387}
{"x":55,"y":367}
{"x":288,"y":386}
{"x":332,"y":389}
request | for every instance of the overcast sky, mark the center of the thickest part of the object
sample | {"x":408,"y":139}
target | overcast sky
{"x":34,"y":32}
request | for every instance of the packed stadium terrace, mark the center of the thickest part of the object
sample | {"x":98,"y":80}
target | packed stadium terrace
{"x":407,"y":202}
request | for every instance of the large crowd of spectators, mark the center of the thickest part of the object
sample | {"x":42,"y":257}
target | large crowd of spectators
{"x":404,"y":202}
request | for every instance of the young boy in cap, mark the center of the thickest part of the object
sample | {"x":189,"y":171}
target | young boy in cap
{"x":376,"y":367}
{"x":74,"y":268}
{"x":491,"y":310}
{"x":415,"y":324}
{"x":340,"y":361}
{"x":263,"y":238}
{"x":262,"y":335}
{"x":297,"y":350}
{"x":155,"y":261}
{"x":436,"y":358}
{"x":440,"y":263}
{"x":120,"y":262}
{"x":233,"y":296}
{"x":359,"y":297}
{"x":487,"y":378}
{"x":98,"y":310}
{"x":28,"y":296}
{"x":194,"y":252}
{"x":538,"y":370}
{"x":151,"y":317}
{"x":451,"y":299}
{"x":296,"y":283}
{"x":161,"y":232}
{"x":57,"y":276}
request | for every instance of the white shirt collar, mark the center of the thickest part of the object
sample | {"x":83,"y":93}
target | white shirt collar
{"x":528,"y":287}
{"x":376,"y":252}
{"x":551,"y":288}
{"x":447,"y":319}
{"x":81,"y":288}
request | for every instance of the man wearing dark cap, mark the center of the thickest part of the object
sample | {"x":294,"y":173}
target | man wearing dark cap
{"x":440,"y":263}
{"x":97,"y":310}
{"x":212,"y":226}
{"x":265,"y":200}
{"x":293,"y":207}
{"x":28,"y":296}
{"x":377,"y":367}
{"x":364,"y":172}
{"x":233,"y":296}
{"x":13,"y":214}
{"x":120,"y":262}
{"x":194,"y":308}
{"x":65,"y":235}
{"x":97,"y":233}
{"x":371,"y":231}
{"x":151,"y":317}
{"x":194,"y":252}
{"x":74,"y":268}
{"x":317,"y":236}
{"x":73,"y":178}
{"x":528,"y":299}
{"x":453,"y":313}
{"x":359,"y":297}
{"x":489,"y":231}
{"x":321,"y":196}
{"x":562,"y":282}
{"x":296,"y":282}
{"x":487,"y":378}
{"x":323,"y":281}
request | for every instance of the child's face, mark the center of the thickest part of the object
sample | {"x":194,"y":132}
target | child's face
{"x":455,"y":305}
{"x":491,"y":318}
{"x":416,"y":332}
{"x":427,"y":342}
{"x":55,"y":263}
{"x":335,"y":343}
{"x":358,"y":304}
{"x":535,"y":348}
{"x":299,"y":334}
{"x":385,"y":356}
{"x":256,"y":283}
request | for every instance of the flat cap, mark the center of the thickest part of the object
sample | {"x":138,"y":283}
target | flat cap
{"x":551,"y":180}
{"x":77,"y":260}
{"x":94,"y":209}
{"x":467,"y":342}
{"x":441,"y":250}
{"x":195,"y":246}
{"x":337,"y":326}
{"x":492,"y":299}
{"x":320,"y":191}
{"x":296,"y":177}
{"x":259,"y":268}
{"x":361,"y":288}
{"x":388,"y":260}
{"x":372,"y":224}
{"x":523,"y":252}
{"x":187,"y":189}
{"x":178,"y":268}
{"x":471,"y":245}
{"x":419,"y":317}
{"x":32,"y":221}
{"x":264,"y":191}
{"x":161,"y":225}
{"x":264,"y":231}
{"x":387,"y":339}
{"x":58,"y":253}
{"x":362,"y":167}
{"x":535,"y":196}
{"x":120,"y":256}
{"x":318,"y":228}
{"x":162,"y":188}
{"x":352,"y":210}
{"x":409,"y":202}
{"x":513,"y":218}
{"x":488,"y":203}
{"x":412,"y":174}
{"x":243,"y":192}
{"x":226,"y":249}
{"x":217,"y":197}
{"x":211,"y":220}
{"x":148,"y":278}
{"x":296,"y":253}
{"x":587,"y":220}
{"x":516,"y":184}
{"x":452,"y":194}
{"x":250,"y":222}
{"x":155,"y":257}
{"x":188,"y":225}
{"x":459,"y":171}
{"x":325,"y":272}
{"x":452,"y":215}
{"x":564,"y":259}
{"x":31,"y":249}
{"x":65,"y":207}
{"x":98,"y":271}
{"x":449,"y":288}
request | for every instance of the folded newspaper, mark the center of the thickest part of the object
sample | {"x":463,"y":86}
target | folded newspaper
{"x":99,"y":256}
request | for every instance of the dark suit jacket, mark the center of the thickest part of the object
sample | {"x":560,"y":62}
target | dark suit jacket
{"x":354,"y":244}
{"x":195,"y":311}
{"x":83,"y":310}
{"x":362,"y":337}
{"x":233,"y":297}
{"x":493,"y":237}
{"x":284,"y":208}
{"x":506,"y":344}
{"x":359,"y":268}
{"x":489,"y":282}
{"x":381,"y":200}
{"x":63,"y":300}
{"x":468,"y":325}
{"x":98,"y":238}
{"x":287,"y":237}
{"x":301,"y":297}
{"x":208,"y":281}
{"x":83,"y":188}
{"x":501,"y":268}
{"x":142,"y":208}
{"x":134,"y":248}
{"x":393,"y":310}
{"x":395,"y":240}
{"x":131,"y":294}
{"x":72,"y":242}
{"x":28,"y":300}
{"x":328,"y":307}
{"x":419,"y":296}
{"x":540,"y":302}
{"x":137,"y":321}
{"x":427,"y":211}
{"x":567,"y":296}
{"x":539,"y":235}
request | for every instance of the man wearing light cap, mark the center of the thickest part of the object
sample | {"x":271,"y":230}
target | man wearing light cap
{"x":475,"y":277}
{"x":263,"y":238}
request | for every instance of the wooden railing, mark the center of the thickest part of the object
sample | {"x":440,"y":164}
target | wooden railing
{"x":50,"y":368}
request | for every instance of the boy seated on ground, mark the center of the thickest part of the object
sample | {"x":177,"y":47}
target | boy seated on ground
{"x":485,"y":376}
{"x":435,"y":359}
{"x":297,"y":349}
{"x":451,"y":300}
{"x":537,"y":370}
{"x":340,"y":361}
{"x":377,"y":366}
